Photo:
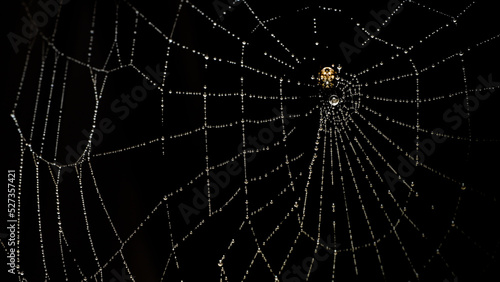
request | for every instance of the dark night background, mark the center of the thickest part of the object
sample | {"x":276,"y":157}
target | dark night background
{"x":133,"y":182}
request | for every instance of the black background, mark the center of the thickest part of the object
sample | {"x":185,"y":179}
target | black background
{"x":133,"y":182}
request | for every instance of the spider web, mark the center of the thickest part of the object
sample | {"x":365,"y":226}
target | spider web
{"x":174,"y":143}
